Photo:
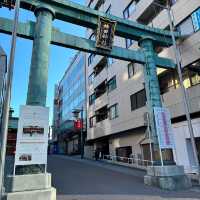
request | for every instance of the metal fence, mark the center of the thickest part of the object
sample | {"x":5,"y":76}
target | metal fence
{"x":132,"y":162}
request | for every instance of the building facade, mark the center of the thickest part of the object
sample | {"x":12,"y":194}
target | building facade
{"x":70,"y":94}
{"x":3,"y":72}
{"x":116,"y":97}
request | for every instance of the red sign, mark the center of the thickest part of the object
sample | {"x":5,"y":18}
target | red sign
{"x":78,"y":124}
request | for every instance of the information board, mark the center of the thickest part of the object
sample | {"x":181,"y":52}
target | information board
{"x":164,"y":127}
{"x":32,"y":135}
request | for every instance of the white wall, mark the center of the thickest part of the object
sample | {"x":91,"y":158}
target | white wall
{"x":183,"y":150}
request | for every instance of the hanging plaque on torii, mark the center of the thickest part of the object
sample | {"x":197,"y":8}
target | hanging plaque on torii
{"x":105,"y":33}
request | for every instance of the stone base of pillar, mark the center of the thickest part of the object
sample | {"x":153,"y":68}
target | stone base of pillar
{"x":31,"y":187}
{"x":167,"y":177}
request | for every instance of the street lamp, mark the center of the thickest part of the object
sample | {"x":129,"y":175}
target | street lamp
{"x":76,"y":113}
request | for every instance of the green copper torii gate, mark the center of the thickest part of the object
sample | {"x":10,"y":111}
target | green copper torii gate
{"x":43,"y":34}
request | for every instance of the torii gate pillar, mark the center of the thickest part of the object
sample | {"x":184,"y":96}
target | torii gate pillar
{"x":38,"y":77}
{"x":168,"y":177}
{"x":151,"y":85}
{"x":32,"y":181}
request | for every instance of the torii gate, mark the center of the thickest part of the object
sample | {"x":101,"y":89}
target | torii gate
{"x":42,"y":33}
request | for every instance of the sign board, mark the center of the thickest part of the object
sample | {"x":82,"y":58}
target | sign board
{"x":164,"y":127}
{"x":105,"y":33}
{"x":32,"y":135}
{"x":78,"y":124}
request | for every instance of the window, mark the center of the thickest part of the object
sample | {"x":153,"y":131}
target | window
{"x":186,"y":27}
{"x":110,"y":61}
{"x":101,"y":114}
{"x":113,"y":111}
{"x":92,"y":37}
{"x":91,"y":79}
{"x":100,"y":89}
{"x":170,"y":79}
{"x":131,"y":70}
{"x":166,"y":81}
{"x":99,"y":4}
{"x":112,"y":84}
{"x":128,"y":11}
{"x":129,"y":42}
{"x":172,"y":2}
{"x":91,"y":58}
{"x":138,"y":99}
{"x":91,"y":99}
{"x":190,"y":24}
{"x":108,"y":11}
{"x":196,"y":20}
{"x":92,"y":121}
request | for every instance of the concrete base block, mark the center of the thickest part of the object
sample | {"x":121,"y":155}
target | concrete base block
{"x":47,"y":194}
{"x":167,"y":177}
{"x":28,"y":182}
{"x":31,"y":187}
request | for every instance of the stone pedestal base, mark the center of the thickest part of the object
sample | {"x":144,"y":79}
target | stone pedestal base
{"x":31,"y":187}
{"x":167,"y":177}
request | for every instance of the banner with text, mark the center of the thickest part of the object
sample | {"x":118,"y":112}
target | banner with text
{"x":164,"y":127}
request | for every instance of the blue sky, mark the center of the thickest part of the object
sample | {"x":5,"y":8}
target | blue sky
{"x":59,"y":59}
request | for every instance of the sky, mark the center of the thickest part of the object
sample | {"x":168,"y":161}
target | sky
{"x":59,"y":59}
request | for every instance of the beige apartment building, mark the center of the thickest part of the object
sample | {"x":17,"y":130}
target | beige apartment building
{"x":116,"y":99}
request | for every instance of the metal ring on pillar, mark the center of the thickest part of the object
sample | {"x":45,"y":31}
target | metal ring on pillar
{"x":46,"y":8}
{"x":145,"y":38}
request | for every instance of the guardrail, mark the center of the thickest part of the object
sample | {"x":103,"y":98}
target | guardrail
{"x":131,"y":162}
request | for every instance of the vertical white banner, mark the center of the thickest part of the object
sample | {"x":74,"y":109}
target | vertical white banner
{"x":164,"y":127}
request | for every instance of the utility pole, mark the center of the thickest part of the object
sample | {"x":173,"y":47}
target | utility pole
{"x":6,"y":107}
{"x":82,"y":145}
{"x":76,"y":113}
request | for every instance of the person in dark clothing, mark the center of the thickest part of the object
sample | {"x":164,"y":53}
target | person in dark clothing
{"x":96,"y":154}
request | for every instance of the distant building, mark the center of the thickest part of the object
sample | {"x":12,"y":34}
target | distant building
{"x":12,"y":134}
{"x":3,"y":71}
{"x":69,"y":95}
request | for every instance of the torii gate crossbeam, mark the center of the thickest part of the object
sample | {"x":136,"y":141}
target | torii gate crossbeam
{"x":81,"y":15}
{"x":26,"y":30}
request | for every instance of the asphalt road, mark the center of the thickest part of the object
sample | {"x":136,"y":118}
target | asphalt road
{"x":82,"y":179}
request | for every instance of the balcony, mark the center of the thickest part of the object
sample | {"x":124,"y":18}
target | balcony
{"x":101,"y":101}
{"x":101,"y":114}
{"x":145,"y":14}
{"x":99,"y":130}
{"x":174,"y":101}
{"x":101,"y":89}
{"x":102,"y":63}
{"x":189,"y":50}
{"x":95,"y":4}
{"x":161,"y":22}
{"x":100,"y":73}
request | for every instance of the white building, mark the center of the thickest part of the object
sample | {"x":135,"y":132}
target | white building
{"x":116,"y":96}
